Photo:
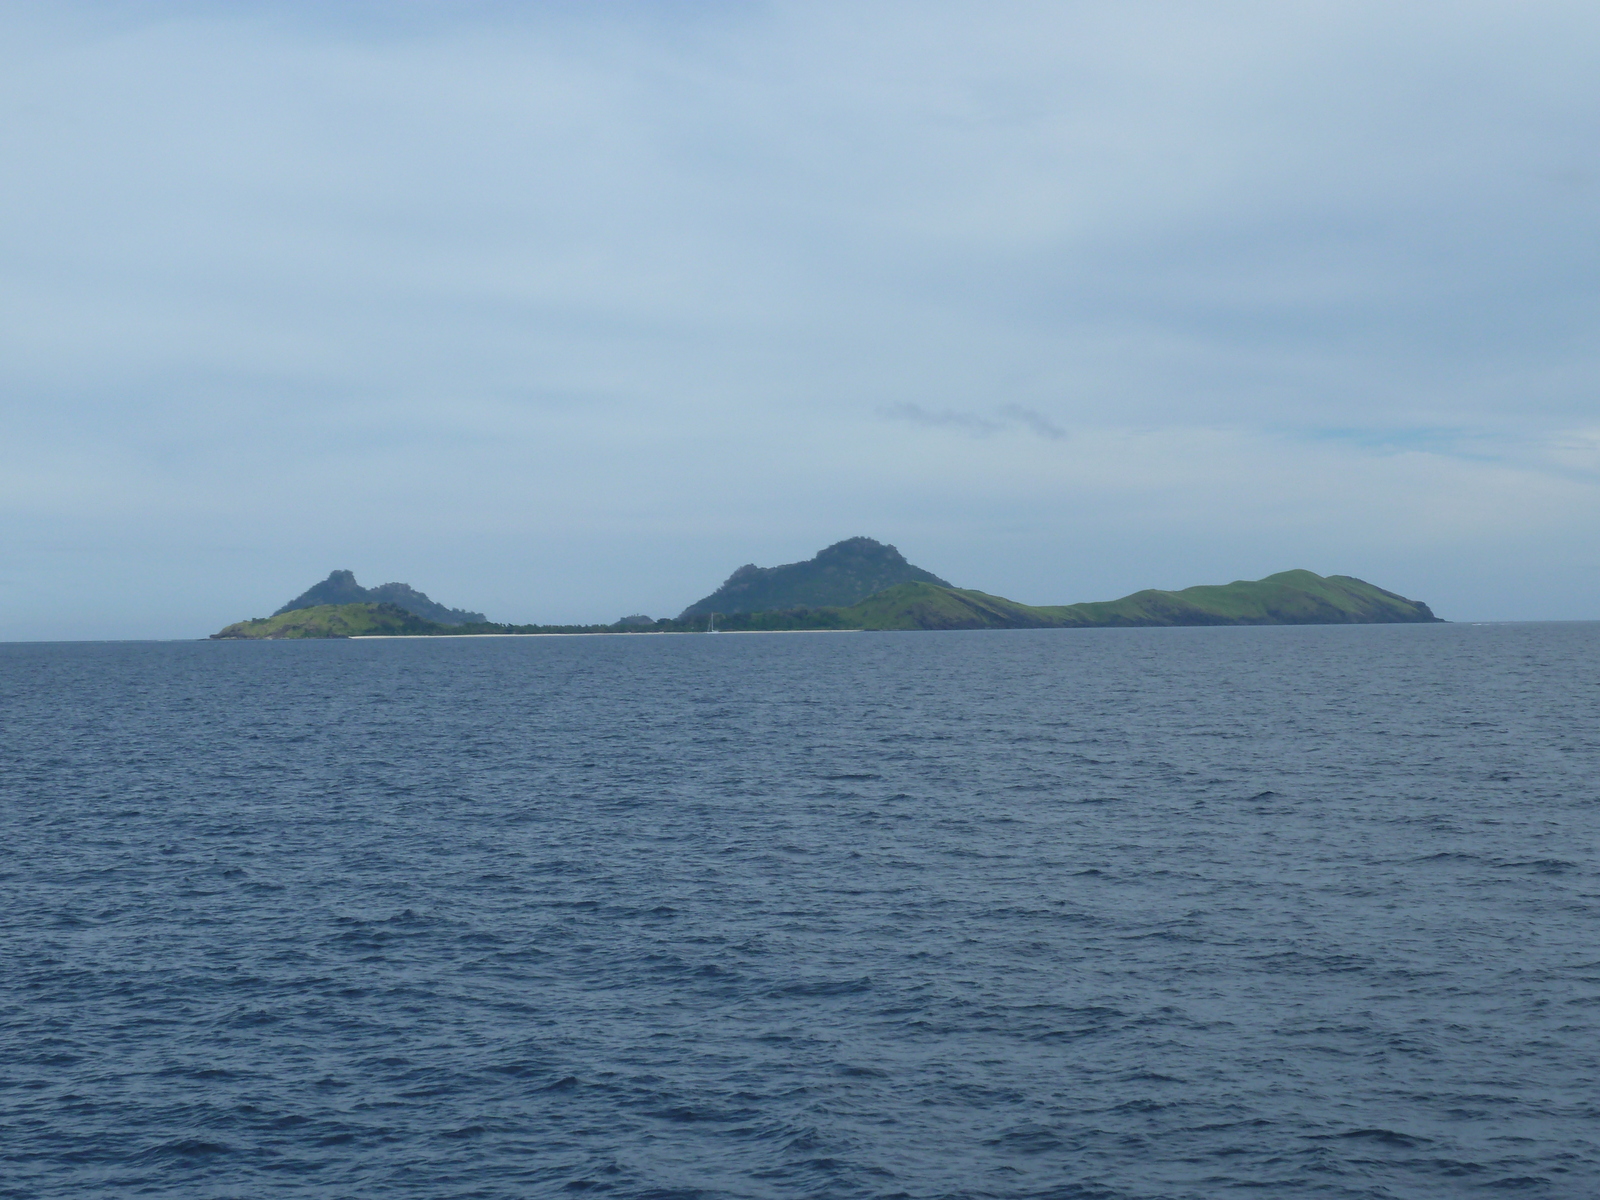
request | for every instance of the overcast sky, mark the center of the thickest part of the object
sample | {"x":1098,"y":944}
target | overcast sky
{"x":564,"y":311}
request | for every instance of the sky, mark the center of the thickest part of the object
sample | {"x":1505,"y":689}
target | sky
{"x":563,"y":311}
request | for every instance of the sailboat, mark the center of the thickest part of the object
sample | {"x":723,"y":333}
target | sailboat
{"x":711,"y":625}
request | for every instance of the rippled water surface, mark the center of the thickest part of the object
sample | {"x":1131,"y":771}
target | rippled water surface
{"x":1187,"y":913}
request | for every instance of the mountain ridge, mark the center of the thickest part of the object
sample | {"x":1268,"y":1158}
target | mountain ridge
{"x":837,"y":576}
{"x":856,"y":584}
{"x":1297,"y":597}
{"x":341,"y":588}
{"x":360,"y":619}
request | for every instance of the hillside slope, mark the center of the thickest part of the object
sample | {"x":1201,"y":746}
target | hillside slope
{"x":333,"y":621}
{"x":845,"y":573}
{"x":340,"y":587}
{"x":1287,"y":598}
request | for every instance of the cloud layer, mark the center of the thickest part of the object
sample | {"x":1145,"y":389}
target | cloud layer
{"x":564,"y":311}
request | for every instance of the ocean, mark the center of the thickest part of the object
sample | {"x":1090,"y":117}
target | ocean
{"x":1090,"y":914}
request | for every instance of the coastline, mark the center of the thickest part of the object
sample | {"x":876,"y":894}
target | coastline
{"x":417,"y":637}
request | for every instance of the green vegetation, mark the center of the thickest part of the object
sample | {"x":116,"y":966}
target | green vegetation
{"x":1288,"y":598}
{"x":335,"y":621}
{"x":341,"y":588}
{"x":922,"y":606}
{"x":390,"y":620}
{"x":845,"y":573}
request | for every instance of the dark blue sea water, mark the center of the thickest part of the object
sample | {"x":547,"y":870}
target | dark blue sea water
{"x":1200,"y":913}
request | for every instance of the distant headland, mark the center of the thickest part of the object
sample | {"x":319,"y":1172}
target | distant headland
{"x":340,"y":588}
{"x":856,"y":584}
{"x":844,"y":574}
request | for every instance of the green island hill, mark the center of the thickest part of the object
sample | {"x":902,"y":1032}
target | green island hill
{"x":364,"y":619}
{"x":340,"y":587}
{"x":1287,"y":598}
{"x":839,"y":576}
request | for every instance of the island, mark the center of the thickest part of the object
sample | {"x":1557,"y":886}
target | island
{"x":842,"y":575}
{"x":340,"y":588}
{"x":855,"y":585}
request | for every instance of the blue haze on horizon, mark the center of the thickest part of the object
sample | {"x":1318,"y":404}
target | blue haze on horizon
{"x":564,"y":311}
